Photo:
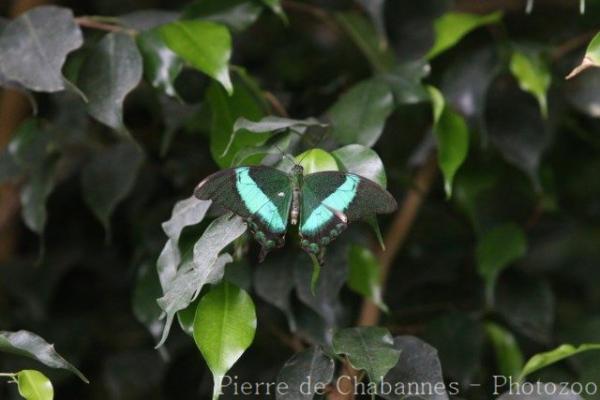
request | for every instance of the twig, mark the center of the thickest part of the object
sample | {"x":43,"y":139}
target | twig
{"x":276,"y":104}
{"x":93,"y":23}
{"x":395,"y":238}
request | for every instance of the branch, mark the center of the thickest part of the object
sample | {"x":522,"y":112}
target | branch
{"x":394,"y":240}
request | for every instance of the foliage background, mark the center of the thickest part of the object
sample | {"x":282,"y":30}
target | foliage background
{"x":536,"y":178}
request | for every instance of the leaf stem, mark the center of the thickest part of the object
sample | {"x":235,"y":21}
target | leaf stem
{"x":100,"y":23}
{"x":8,"y":374}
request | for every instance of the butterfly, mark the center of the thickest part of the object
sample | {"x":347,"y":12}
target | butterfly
{"x":322,"y":204}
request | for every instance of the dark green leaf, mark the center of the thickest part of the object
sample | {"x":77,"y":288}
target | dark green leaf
{"x":583,"y":92}
{"x":111,"y":70}
{"x":451,"y":27}
{"x":509,"y":358}
{"x":305,"y":374}
{"x":527,"y":304}
{"x":30,"y":345}
{"x":496,"y":250}
{"x":274,"y":282}
{"x":236,"y":14}
{"x":204,"y":44}
{"x":368,"y":40}
{"x":147,"y":289}
{"x":375,"y":9}
{"x":533,"y":76}
{"x":161,"y":65}
{"x":367,"y":348}
{"x":364,"y":277}
{"x":34,"y":195}
{"x":226,"y":110}
{"x":405,"y":82}
{"x":362,"y":161}
{"x":459,"y":341}
{"x":33,"y":385}
{"x":359,"y":115}
{"x":224,"y":328}
{"x":109,"y":177}
{"x":275,"y":6}
{"x":276,"y":124}
{"x":31,"y":56}
{"x":418,"y":363}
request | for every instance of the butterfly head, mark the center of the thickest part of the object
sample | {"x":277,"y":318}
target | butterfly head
{"x":297,"y":170}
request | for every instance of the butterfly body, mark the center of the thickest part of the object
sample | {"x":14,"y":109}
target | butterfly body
{"x":320,"y":204}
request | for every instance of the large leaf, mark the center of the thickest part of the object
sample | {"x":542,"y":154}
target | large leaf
{"x":31,"y":56}
{"x":404,"y":81}
{"x":204,"y":44}
{"x":362,"y":161}
{"x":590,"y":59}
{"x":509,"y":358}
{"x":547,"y":358}
{"x":224,"y":328}
{"x":34,"y":195}
{"x":276,"y":124}
{"x":30,"y":345}
{"x":112,"y":69}
{"x":364,"y":277}
{"x":316,"y":160}
{"x":206,"y":267}
{"x":359,"y":115}
{"x":109,"y":177}
{"x":236,"y":14}
{"x":451,"y":27}
{"x":161,"y":65}
{"x":225,"y":111}
{"x":452,"y":135}
{"x":33,"y":385}
{"x":496,"y":250}
{"x":418,"y":364}
{"x":305,"y":374}
{"x":368,"y":40}
{"x":533,"y":76}
{"x":367,"y":348}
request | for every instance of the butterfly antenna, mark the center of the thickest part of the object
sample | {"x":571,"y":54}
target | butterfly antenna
{"x":316,"y":145}
{"x":284,"y":154}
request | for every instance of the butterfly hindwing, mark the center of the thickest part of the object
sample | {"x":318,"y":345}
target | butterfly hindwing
{"x":331,"y":200}
{"x":261,"y":195}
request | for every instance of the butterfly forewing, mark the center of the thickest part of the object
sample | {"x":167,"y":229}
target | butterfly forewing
{"x":260,"y":195}
{"x":331,"y":200}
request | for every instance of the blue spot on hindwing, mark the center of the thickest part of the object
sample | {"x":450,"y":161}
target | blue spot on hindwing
{"x":257,"y":202}
{"x":339,"y":200}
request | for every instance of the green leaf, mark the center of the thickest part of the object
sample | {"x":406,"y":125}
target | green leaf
{"x":305,"y":374}
{"x":207,"y":266}
{"x":362,"y":161}
{"x":542,"y":360}
{"x":224,"y":328}
{"x":509,"y":358}
{"x":367,"y":348}
{"x":33,"y":385}
{"x":204,"y":44}
{"x":275,"y":6}
{"x":316,"y":160}
{"x":590,"y":59}
{"x":27,"y":344}
{"x":365,"y":36}
{"x":533,"y":76}
{"x":276,"y":124}
{"x":364,"y":277}
{"x":109,"y":177}
{"x":359,"y":115}
{"x":451,"y":27}
{"x":161,"y":65}
{"x":31,"y":56}
{"x":236,"y":14}
{"x":245,"y":102}
{"x":111,"y":70}
{"x":418,"y":362}
{"x":496,"y":250}
{"x":452,"y":135}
